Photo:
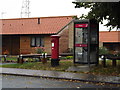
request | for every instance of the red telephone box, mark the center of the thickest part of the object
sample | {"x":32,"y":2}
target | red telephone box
{"x":86,"y":41}
{"x":55,"y":50}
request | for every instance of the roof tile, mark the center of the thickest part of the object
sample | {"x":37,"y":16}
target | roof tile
{"x":48,"y":25}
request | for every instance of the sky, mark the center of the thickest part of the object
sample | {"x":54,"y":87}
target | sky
{"x":39,"y":8}
{"x":42,"y":8}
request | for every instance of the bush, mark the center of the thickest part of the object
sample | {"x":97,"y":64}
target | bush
{"x":63,"y":58}
{"x":118,"y":54}
{"x":70,"y":50}
{"x":39,"y":50}
{"x":69,"y":57}
{"x":103,"y":50}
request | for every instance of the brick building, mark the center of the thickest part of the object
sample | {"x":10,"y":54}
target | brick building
{"x":110,"y":40}
{"x":22,"y":35}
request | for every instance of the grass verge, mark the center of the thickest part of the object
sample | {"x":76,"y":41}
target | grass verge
{"x":39,"y":66}
{"x":65,"y":64}
{"x":9,"y":58}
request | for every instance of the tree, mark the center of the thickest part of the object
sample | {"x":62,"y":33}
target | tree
{"x":102,"y":10}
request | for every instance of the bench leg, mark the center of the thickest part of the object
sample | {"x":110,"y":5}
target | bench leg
{"x":20,"y":60}
{"x":97,"y":63}
{"x":39,"y":59}
{"x":4,"y":59}
{"x":44,"y":60}
{"x":1,"y":59}
{"x":114,"y":62}
{"x":104,"y":62}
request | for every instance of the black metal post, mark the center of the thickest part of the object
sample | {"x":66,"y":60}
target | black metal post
{"x":114,"y":62}
{"x":5,"y":58}
{"x":104,"y":61}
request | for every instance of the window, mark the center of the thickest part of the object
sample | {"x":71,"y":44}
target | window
{"x":37,"y":42}
{"x":33,"y":41}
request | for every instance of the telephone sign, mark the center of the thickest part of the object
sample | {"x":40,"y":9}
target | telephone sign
{"x":81,"y":25}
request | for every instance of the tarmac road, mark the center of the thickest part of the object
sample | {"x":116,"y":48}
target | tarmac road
{"x":10,"y":81}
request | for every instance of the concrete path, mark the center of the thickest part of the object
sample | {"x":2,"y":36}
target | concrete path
{"x":12,"y":81}
{"x":61,"y":75}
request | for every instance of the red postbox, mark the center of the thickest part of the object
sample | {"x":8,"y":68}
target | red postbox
{"x":55,"y":50}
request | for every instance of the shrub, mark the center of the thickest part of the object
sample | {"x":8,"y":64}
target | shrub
{"x":103,"y":50}
{"x":69,"y":57}
{"x":39,"y":50}
{"x":70,"y":50}
{"x":63,"y":58}
{"x":119,"y":54}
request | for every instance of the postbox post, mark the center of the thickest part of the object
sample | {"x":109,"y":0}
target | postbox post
{"x":55,"y":50}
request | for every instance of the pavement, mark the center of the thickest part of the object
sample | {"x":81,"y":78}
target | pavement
{"x":61,"y":75}
{"x":12,"y":81}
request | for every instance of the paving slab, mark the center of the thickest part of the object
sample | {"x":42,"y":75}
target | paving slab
{"x":61,"y":75}
{"x":84,"y":68}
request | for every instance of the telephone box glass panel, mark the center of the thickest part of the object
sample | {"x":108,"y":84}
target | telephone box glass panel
{"x":81,"y":41}
{"x":94,"y":42}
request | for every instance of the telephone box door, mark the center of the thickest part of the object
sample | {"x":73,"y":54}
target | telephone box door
{"x":81,"y":43}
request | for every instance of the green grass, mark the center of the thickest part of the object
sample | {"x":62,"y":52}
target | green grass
{"x":109,"y":70}
{"x":10,"y":58}
{"x":64,"y":64}
{"x":109,"y":62}
{"x":13,"y":58}
{"x":39,"y":66}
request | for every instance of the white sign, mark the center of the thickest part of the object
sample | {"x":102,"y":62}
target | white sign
{"x":52,"y":44}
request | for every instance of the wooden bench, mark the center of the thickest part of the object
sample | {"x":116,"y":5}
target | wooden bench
{"x":3,"y":56}
{"x":113,"y":58}
{"x":39,"y":56}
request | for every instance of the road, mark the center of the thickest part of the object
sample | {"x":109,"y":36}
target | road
{"x":10,"y":81}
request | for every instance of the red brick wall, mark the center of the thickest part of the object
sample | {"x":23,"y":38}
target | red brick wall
{"x":113,"y":36}
{"x":47,"y":43}
{"x":25,"y":45}
{"x":111,"y":40}
{"x":71,"y":33}
{"x":66,"y":39}
{"x":63,"y":41}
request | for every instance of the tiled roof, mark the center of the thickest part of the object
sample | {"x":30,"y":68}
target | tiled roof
{"x":112,"y":36}
{"x":48,"y":25}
